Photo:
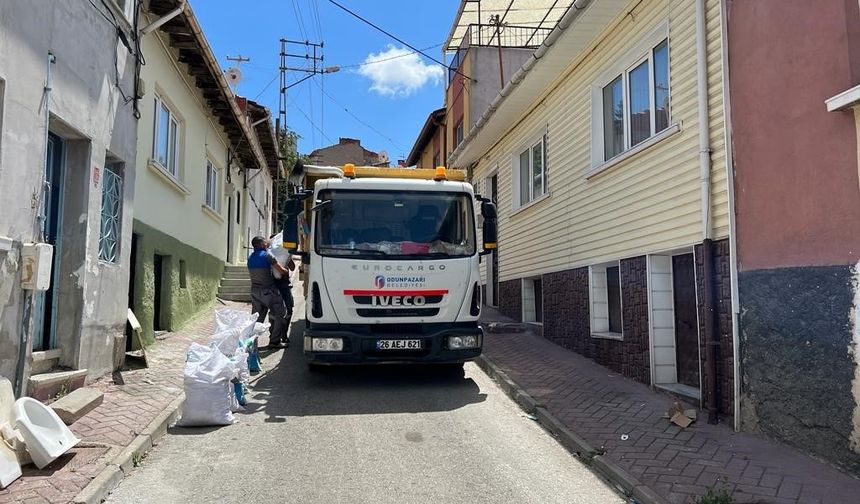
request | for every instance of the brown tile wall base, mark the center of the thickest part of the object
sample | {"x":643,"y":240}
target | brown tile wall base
{"x":511,"y":299}
{"x":725,"y":353}
{"x":567,"y":319}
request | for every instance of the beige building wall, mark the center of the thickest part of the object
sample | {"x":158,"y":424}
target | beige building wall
{"x":648,"y":202}
{"x":176,"y":205}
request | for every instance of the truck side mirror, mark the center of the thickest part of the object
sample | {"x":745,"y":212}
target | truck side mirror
{"x":291,"y":226}
{"x":490,"y":229}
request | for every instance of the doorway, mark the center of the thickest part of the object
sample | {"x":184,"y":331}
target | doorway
{"x":157,"y":316}
{"x":493,"y":263}
{"x":45,"y":327}
{"x":230,"y":230}
{"x":132,"y":274}
{"x":686,"y":319}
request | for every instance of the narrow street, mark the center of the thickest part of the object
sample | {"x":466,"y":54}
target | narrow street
{"x":365,"y":435}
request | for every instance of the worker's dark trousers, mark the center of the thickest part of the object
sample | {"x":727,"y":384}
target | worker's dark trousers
{"x":286,"y":291}
{"x":268,"y":301}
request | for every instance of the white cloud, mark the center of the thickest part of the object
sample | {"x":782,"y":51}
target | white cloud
{"x":399,"y":72}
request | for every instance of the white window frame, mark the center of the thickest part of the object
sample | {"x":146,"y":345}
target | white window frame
{"x":530,"y":302}
{"x":459,"y":133}
{"x":643,"y":51}
{"x":172,"y":167}
{"x":598,"y":301}
{"x":211,"y":193}
{"x":540,"y":140}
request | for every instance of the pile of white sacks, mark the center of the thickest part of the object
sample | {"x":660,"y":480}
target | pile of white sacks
{"x":217,"y":374}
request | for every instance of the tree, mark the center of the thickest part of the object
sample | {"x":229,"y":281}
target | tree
{"x":288,"y":141}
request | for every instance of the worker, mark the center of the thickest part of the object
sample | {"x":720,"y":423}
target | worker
{"x":282,"y":282}
{"x":265,"y":297}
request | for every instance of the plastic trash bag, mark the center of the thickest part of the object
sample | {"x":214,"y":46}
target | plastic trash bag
{"x":209,"y":393}
{"x":276,"y":248}
{"x":233,"y":330}
{"x":235,"y":319}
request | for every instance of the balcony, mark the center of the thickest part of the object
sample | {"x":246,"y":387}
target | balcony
{"x":486,"y":35}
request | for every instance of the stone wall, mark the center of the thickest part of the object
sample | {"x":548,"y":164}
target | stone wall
{"x":566,"y":314}
{"x":797,"y":359}
{"x":725,"y":351}
{"x":511,"y":299}
{"x":567,"y":320}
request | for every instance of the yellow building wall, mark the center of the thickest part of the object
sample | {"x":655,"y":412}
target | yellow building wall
{"x":650,"y":202}
{"x":177,"y":207}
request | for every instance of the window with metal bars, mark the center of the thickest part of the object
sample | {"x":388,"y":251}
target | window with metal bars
{"x":111,"y":214}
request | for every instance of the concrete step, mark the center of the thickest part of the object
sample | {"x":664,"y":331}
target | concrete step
{"x":235,"y":289}
{"x":236,"y":282}
{"x":233,"y":269}
{"x":242,"y":274}
{"x":72,"y":407}
{"x":45,"y":361}
{"x":244,"y":298}
{"x":50,"y":385}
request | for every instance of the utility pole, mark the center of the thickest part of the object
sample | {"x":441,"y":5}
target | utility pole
{"x":313,"y":54}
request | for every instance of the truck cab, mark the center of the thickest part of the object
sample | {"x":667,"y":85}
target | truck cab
{"x":392,"y":267}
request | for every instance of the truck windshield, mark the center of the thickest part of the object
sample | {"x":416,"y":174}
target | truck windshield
{"x":353,"y":223}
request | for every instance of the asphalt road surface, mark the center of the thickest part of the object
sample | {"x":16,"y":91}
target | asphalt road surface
{"x":384,"y":434}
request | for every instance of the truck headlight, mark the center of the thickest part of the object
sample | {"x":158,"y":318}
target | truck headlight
{"x":327,"y":344}
{"x":463,"y":342}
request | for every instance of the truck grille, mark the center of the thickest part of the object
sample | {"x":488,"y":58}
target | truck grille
{"x":397,"y":312}
{"x":366,"y":300}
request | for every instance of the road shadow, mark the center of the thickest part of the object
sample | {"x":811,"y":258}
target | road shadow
{"x":287,"y":388}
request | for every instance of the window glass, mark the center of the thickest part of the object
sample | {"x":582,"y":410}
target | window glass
{"x":525,"y":167}
{"x":640,"y":104}
{"x":163,"y":136}
{"x":661,"y":87}
{"x":537,"y":170}
{"x":613,"y":298}
{"x":173,"y":154}
{"x":613,"y":119}
{"x":376,"y":224}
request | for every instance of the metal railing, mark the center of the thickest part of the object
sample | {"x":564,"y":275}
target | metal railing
{"x":489,"y":35}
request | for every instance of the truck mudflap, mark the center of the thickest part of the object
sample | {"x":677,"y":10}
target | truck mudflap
{"x":417,"y":343}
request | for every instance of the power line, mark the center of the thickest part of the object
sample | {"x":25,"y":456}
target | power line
{"x":299,"y":20}
{"x":410,"y":53}
{"x":312,"y":123}
{"x":370,"y":23}
{"x":361,"y":121}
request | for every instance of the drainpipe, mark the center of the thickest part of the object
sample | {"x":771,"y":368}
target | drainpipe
{"x":733,"y":238}
{"x":711,"y":341}
{"x":158,"y":23}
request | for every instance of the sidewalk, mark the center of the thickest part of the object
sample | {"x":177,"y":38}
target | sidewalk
{"x":133,"y":402}
{"x":678,"y":464}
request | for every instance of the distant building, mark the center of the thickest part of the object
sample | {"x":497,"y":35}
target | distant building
{"x":348,"y":150}
{"x":431,"y":145}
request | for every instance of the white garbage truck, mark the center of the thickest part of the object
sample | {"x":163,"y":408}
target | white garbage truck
{"x":390,"y":263}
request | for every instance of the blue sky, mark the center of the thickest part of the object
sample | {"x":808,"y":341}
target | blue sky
{"x":393,"y":96}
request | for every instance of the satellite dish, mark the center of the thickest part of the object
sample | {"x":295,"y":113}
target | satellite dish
{"x":234,"y":76}
{"x":383,"y":156}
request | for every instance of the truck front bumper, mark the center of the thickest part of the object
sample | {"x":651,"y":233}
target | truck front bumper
{"x":360,"y":345}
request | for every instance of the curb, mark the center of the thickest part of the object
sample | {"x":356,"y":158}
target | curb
{"x":122,"y":464}
{"x":572,"y":442}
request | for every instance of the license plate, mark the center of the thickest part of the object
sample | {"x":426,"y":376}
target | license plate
{"x":398,"y":344}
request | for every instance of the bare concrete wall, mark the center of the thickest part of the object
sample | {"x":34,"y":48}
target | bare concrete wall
{"x":88,"y":110}
{"x":488,"y":79}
